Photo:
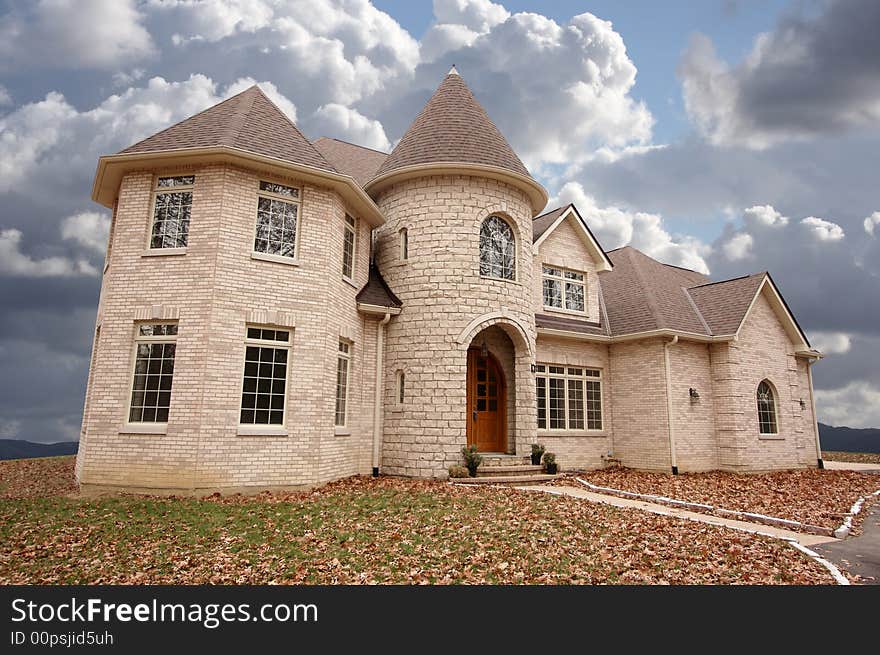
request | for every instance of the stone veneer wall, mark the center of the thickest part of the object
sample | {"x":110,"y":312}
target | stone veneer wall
{"x":443,"y":295}
{"x":214,"y":291}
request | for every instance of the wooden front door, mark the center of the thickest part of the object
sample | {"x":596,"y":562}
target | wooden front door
{"x":486,"y":403}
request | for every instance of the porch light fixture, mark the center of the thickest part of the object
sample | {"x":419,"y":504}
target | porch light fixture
{"x":694,"y":394}
{"x":803,"y":403}
{"x":484,"y":350}
{"x":534,"y":368}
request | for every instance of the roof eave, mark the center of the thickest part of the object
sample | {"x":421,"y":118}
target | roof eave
{"x":111,"y":169}
{"x":632,"y":336}
{"x":536,"y":193}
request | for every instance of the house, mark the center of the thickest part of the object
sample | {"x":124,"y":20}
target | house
{"x":278,"y":313}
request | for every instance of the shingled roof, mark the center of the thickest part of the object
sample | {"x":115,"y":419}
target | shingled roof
{"x":248,"y":121}
{"x":724,"y":304}
{"x":376,"y":292}
{"x":351,"y":159}
{"x":453,"y":128}
{"x":542,"y":223}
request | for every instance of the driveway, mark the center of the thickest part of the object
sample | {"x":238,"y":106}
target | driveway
{"x":858,"y":555}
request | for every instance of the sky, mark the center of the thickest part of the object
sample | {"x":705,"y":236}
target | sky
{"x":727,"y":136}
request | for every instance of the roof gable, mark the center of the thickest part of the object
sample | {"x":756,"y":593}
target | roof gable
{"x":248,"y":121}
{"x":777,"y":303}
{"x":545,"y":224}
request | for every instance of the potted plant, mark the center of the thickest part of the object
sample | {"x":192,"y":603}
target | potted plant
{"x":537,"y":453}
{"x":550,"y":463}
{"x":472,"y":459}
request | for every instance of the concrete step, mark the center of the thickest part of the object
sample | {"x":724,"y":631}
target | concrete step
{"x":505,"y":460}
{"x":507,"y":479}
{"x":520,"y":469}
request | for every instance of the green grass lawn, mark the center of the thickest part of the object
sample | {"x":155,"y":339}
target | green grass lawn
{"x":362,"y":530}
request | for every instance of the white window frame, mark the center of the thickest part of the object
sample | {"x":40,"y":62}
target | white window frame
{"x":343,"y":354}
{"x":293,"y":200}
{"x":563,"y":281}
{"x":147,"y":426}
{"x":589,"y":374}
{"x":157,"y":191}
{"x":265,"y":428}
{"x":775,"y":398}
{"x":350,"y":227}
{"x":404,"y":244}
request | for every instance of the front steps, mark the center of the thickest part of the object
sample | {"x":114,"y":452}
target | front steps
{"x":499,"y":468}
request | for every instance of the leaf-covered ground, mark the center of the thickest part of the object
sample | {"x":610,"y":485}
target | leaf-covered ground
{"x":817,"y":497}
{"x":864,"y":458}
{"x":363,"y":530}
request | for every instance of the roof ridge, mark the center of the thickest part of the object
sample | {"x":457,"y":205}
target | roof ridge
{"x":649,"y":297}
{"x":242,"y":109}
{"x":350,"y":143}
{"x":697,"y":310}
{"x":731,"y":279}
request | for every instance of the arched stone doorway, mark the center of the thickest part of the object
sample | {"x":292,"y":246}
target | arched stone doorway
{"x":491,"y":391}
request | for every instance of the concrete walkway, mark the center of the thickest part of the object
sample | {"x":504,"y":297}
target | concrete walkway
{"x":851,"y":466}
{"x":858,"y":555}
{"x":808,"y":540}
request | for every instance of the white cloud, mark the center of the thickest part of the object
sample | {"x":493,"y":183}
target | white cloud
{"x":5,"y":96}
{"x":823,"y":230}
{"x":73,"y":34}
{"x":615,"y":227}
{"x":738,"y":247}
{"x":477,"y":15}
{"x":347,"y":124}
{"x":831,"y":343}
{"x":14,"y":263}
{"x":51,"y":139}
{"x":269,"y":88}
{"x":9,"y":429}
{"x":857,"y":405}
{"x":90,"y":229}
{"x":764,"y":215}
{"x":871,"y":223}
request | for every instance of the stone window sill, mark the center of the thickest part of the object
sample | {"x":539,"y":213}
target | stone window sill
{"x":277,"y":259}
{"x":144,"y":428}
{"x":261,"y":431}
{"x":341,"y":431}
{"x":771,"y":437}
{"x":349,"y":282}
{"x":566,"y":312}
{"x":163,"y":252}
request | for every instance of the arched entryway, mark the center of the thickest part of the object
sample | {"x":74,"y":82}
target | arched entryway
{"x":486,"y":401}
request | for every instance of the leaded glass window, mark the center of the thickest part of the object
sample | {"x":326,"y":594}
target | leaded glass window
{"x":766,"y":409}
{"x":172,"y":208}
{"x":348,"y":247}
{"x":497,"y":249}
{"x":563,"y":289}
{"x":343,"y":365}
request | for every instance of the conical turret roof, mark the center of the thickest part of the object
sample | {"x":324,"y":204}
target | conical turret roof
{"x":453,"y":128}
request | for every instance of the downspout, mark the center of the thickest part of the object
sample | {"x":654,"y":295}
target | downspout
{"x":672,"y":456}
{"x":377,"y":400}
{"x":819,"y":462}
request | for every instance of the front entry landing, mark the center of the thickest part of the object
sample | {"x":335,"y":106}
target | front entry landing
{"x":486,"y":403}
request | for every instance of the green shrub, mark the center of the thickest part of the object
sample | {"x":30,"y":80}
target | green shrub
{"x":472,"y":459}
{"x":458,"y":471}
{"x":537,"y":453}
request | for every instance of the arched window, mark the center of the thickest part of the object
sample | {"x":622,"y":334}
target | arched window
{"x":766,"y":409}
{"x":497,"y":249}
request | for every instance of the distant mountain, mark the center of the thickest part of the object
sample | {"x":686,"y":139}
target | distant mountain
{"x":851,"y":440}
{"x":18,"y":449}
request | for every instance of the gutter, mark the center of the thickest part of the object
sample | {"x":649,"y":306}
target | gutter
{"x":819,"y":461}
{"x":377,"y":396}
{"x":632,"y":336}
{"x":672,"y":455}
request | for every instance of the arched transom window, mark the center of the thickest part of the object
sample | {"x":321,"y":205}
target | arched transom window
{"x":497,"y":249}
{"x":766,"y":409}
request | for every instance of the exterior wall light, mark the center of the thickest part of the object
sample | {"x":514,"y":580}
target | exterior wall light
{"x":694,"y":394}
{"x":803,"y":403}
{"x":484,"y":350}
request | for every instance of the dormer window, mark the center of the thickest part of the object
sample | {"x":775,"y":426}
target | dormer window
{"x":564,"y":290}
{"x":497,"y":249}
{"x":277,"y":220}
{"x":172,"y":206}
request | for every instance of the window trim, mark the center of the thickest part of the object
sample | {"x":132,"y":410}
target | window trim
{"x":149,"y":250}
{"x":348,"y":228}
{"x":564,"y":280}
{"x":566,"y":376}
{"x":265,"y":429}
{"x":774,"y":394}
{"x":346,"y":356}
{"x":147,"y":427}
{"x":516,"y":248}
{"x":272,"y":257}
